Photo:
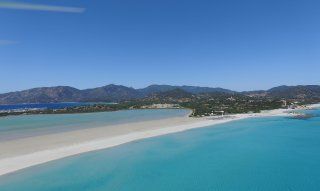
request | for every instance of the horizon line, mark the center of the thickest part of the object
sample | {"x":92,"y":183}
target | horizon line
{"x":155,"y":84}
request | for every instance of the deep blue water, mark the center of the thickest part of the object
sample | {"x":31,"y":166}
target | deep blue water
{"x":41,"y":106}
{"x":263,"y":154}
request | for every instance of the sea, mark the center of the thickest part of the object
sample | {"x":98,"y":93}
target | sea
{"x":256,"y":154}
{"x":41,"y":106}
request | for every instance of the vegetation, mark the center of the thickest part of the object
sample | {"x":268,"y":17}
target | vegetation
{"x":212,"y":102}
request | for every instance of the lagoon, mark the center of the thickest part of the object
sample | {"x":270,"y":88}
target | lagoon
{"x":16,"y":127}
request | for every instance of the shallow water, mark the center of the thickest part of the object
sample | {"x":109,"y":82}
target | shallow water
{"x":264,"y":154}
{"x":14,"y":127}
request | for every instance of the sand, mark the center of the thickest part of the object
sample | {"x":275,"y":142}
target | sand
{"x":26,"y":152}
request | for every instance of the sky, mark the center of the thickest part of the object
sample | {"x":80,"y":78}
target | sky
{"x":239,"y":45}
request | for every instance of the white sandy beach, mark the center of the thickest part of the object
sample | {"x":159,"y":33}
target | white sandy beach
{"x":26,"y":152}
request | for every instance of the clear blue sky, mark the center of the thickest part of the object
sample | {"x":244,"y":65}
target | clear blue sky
{"x":240,"y":45}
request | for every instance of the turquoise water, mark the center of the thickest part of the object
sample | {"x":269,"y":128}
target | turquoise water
{"x":14,"y":127}
{"x":265,"y":154}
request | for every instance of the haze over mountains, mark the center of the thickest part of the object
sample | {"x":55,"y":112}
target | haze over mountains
{"x":117,"y":93}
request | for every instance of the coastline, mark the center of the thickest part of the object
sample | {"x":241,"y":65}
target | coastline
{"x":19,"y":154}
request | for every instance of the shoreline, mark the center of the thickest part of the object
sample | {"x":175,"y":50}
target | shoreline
{"x":61,"y":145}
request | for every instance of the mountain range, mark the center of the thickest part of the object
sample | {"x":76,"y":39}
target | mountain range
{"x":117,"y":93}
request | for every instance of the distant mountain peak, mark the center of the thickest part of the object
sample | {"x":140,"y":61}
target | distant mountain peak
{"x":116,"y":93}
